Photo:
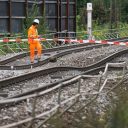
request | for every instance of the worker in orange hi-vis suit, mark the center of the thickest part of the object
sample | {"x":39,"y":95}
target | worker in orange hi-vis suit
{"x":33,"y":41}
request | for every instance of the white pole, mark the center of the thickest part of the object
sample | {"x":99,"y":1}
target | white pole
{"x":89,"y":20}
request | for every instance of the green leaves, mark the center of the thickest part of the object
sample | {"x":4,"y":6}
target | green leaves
{"x":104,"y":11}
{"x":32,"y":14}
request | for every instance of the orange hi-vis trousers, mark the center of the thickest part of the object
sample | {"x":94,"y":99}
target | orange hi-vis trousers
{"x":35,"y":46}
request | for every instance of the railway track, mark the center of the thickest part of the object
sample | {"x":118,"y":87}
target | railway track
{"x":43,"y":95}
{"x":58,"y":52}
{"x":91,"y":69}
{"x":9,"y":64}
{"x":44,"y":72}
{"x":55,"y":69}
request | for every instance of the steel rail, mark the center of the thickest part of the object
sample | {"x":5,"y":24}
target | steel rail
{"x":22,"y":55}
{"x":67,"y":82}
{"x":33,"y":74}
{"x":59,"y":54}
{"x":71,"y":67}
{"x":58,"y":105}
{"x":47,"y":86}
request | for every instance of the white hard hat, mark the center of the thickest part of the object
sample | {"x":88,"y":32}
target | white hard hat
{"x":36,"y":21}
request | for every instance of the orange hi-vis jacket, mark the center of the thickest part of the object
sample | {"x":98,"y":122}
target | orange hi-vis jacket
{"x":34,"y":44}
{"x":32,"y":34}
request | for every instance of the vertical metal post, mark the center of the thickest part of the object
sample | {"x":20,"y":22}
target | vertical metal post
{"x":43,"y":6}
{"x":67,"y":15}
{"x":59,"y":94}
{"x":99,"y":82}
{"x":58,"y":17}
{"x":89,"y":20}
{"x":111,"y":4}
{"x":26,"y":8}
{"x":79,"y":85}
{"x":125,"y":67}
{"x":75,"y":13}
{"x":10,"y":14}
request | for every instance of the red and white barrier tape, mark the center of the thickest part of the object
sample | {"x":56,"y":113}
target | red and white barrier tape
{"x":97,"y":41}
{"x":6,"y":40}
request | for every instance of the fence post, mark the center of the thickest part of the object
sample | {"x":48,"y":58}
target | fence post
{"x":59,"y":97}
{"x":124,"y":67}
{"x":79,"y":86}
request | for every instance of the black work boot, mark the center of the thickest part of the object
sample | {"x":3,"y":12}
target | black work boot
{"x":32,"y":62}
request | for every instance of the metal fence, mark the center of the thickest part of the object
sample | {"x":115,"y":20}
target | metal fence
{"x":60,"y":14}
{"x":104,"y":34}
{"x":16,"y":44}
{"x":76,"y":97}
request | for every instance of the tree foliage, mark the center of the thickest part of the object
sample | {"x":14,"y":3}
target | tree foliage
{"x":112,"y":12}
{"x":31,"y":16}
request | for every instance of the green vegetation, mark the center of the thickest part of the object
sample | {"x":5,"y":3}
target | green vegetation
{"x":107,"y":15}
{"x":119,"y":115}
{"x":42,"y":29}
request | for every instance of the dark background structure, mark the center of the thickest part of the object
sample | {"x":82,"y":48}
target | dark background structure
{"x":60,"y":14}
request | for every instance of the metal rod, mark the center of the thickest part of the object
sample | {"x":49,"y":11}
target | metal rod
{"x":79,"y":85}
{"x":59,"y":96}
